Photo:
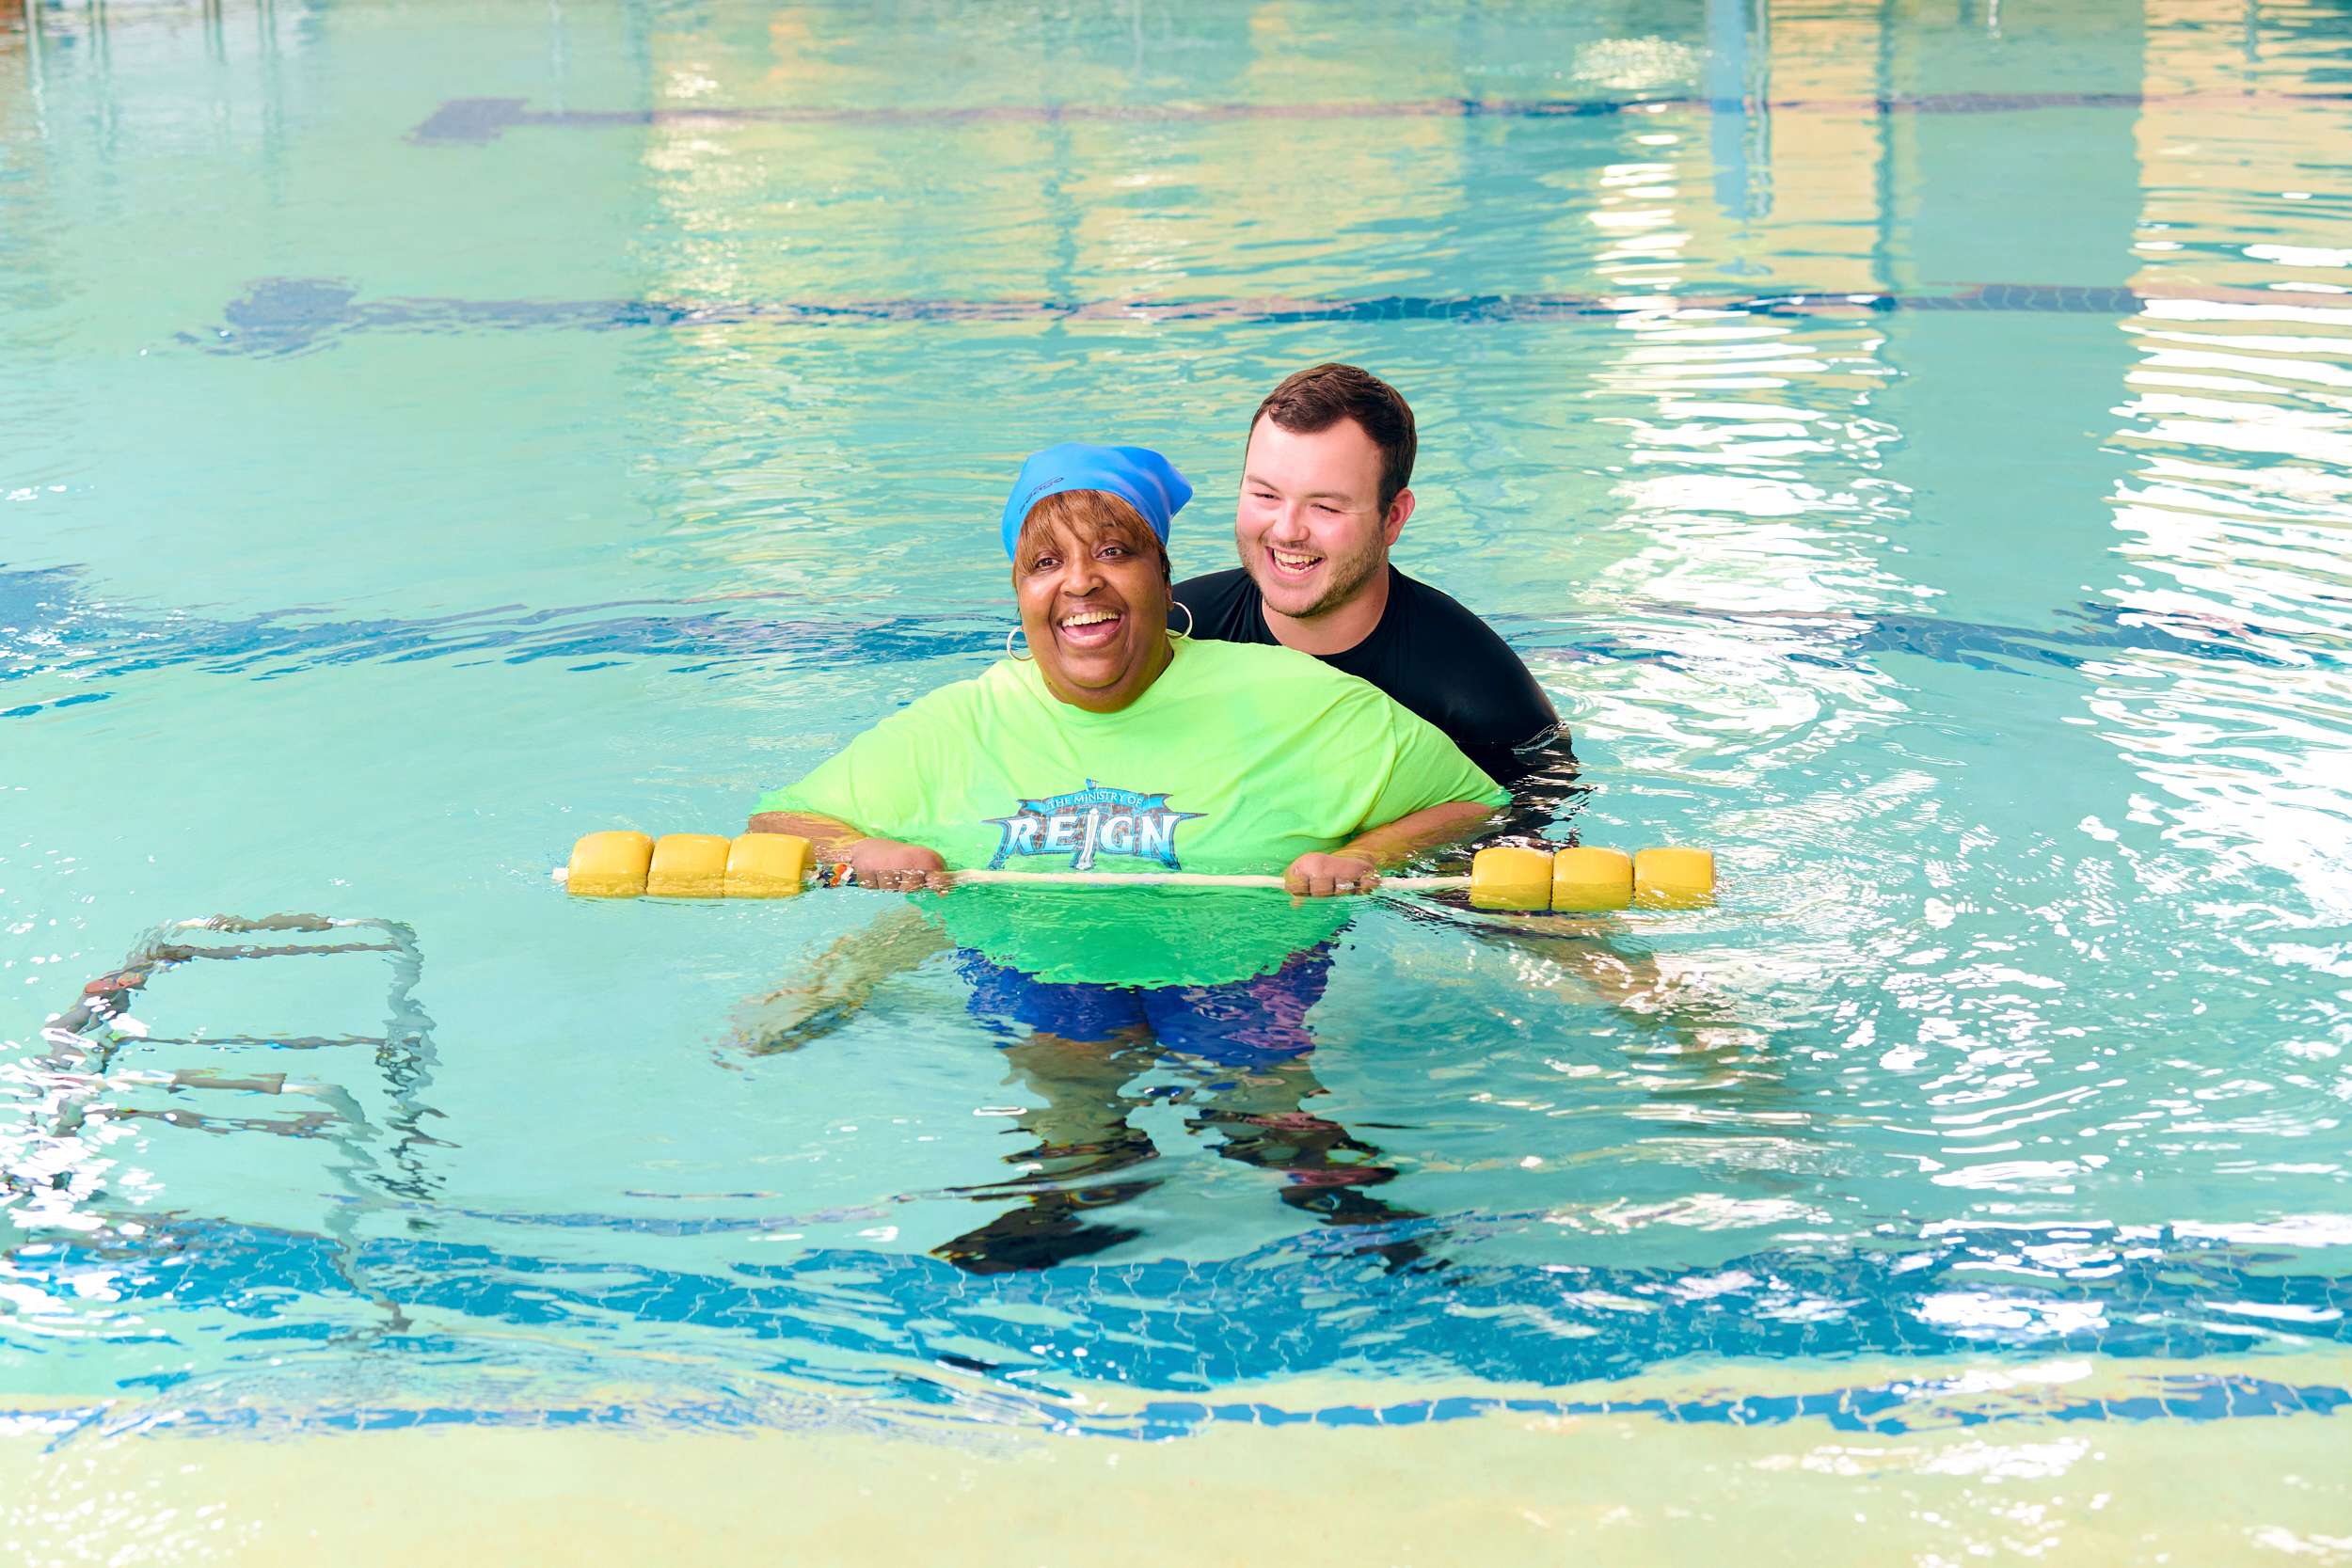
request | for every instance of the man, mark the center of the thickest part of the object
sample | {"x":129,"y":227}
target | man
{"x":1324,"y":495}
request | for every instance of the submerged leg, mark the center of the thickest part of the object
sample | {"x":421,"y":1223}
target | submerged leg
{"x":1259,"y":1120}
{"x":1256,"y":1029}
{"x":1077,"y":1111}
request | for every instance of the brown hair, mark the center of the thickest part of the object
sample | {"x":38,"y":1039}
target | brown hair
{"x":1090,"y":513}
{"x":1315,"y":399}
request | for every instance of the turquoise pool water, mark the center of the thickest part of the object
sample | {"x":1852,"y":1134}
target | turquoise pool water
{"x":1910,"y":443}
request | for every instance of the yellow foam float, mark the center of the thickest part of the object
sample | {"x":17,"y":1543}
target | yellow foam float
{"x":629,"y":864}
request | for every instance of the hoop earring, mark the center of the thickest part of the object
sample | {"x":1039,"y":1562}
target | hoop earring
{"x":1009,"y":637}
{"x":1189,"y":621}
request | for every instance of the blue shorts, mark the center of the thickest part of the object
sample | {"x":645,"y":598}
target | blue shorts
{"x":1256,"y":1022}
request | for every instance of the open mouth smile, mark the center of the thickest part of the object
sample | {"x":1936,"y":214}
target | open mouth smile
{"x":1089,"y":628}
{"x":1293,"y":563}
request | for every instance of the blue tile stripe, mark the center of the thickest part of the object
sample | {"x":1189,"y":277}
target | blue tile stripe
{"x":1893,"y":1410}
{"x":59,"y":649}
{"x":858,"y":1320}
{"x":481,"y":119}
{"x":289,"y":315}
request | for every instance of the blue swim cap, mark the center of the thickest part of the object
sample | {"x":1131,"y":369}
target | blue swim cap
{"x":1136,"y":475}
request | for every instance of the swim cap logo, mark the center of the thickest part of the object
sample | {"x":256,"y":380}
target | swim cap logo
{"x":1096,"y":821}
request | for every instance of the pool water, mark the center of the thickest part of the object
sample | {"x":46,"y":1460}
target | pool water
{"x":1912,"y":443}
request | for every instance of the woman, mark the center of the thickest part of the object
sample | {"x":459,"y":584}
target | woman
{"x":1113,"y":745}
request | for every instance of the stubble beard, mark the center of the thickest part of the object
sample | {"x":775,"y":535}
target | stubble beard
{"x":1348,"y":574}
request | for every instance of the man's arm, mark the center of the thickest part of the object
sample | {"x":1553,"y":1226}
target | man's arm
{"x":1502,"y":717}
{"x":1457,"y":671}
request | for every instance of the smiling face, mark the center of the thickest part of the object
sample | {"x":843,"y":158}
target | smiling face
{"x":1310,"y":526}
{"x":1093,"y":584}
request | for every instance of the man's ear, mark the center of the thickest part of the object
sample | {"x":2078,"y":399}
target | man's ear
{"x":1399,"y":509}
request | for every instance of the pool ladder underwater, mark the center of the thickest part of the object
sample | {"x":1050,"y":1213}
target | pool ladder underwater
{"x":87,"y":1042}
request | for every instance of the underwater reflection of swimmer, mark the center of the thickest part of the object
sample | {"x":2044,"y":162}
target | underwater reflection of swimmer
{"x":1078,"y":1048}
{"x":1082,"y":1052}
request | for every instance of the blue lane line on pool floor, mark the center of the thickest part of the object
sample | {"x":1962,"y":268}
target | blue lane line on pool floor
{"x":1896,"y":1410}
{"x":856,"y":1322}
{"x":54,"y":643}
{"x":481,"y":119}
{"x":1887,"y":1410}
{"x":289,"y":315}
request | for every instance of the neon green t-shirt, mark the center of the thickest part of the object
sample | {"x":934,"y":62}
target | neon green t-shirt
{"x":1239,"y":758}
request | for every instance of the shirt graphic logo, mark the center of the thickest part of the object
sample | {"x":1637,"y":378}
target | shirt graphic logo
{"x":1096,"y":821}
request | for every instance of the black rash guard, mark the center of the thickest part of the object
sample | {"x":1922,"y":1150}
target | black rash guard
{"x":1431,"y":656}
